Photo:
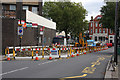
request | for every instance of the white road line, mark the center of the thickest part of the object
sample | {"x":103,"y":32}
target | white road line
{"x":55,"y":60}
{"x":14,"y":71}
{"x":46,"y":62}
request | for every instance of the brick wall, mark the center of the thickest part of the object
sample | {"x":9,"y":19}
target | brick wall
{"x":10,"y":34}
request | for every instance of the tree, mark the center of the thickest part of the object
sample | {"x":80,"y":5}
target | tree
{"x":69,"y":16}
{"x":108,"y":15}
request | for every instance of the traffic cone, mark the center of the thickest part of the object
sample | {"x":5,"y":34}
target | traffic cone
{"x":107,"y":47}
{"x":99,"y":49}
{"x":84,"y":51}
{"x":90,"y":50}
{"x":36,"y":56}
{"x":8,"y":58}
{"x":72,"y":54}
{"x":94,"y":50}
{"x":77,"y":53}
{"x":50,"y":58}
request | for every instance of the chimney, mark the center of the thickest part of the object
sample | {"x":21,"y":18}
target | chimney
{"x":91,"y":18}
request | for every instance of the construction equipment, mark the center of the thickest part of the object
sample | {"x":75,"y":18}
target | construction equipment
{"x":82,"y":42}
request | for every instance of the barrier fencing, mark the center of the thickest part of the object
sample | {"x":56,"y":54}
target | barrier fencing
{"x":35,"y":51}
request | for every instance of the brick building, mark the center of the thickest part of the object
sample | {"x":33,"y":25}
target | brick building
{"x":98,"y":33}
{"x":32,"y":13}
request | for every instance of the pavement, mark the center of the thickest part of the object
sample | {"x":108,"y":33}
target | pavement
{"x":87,"y":66}
{"x":112,"y":73}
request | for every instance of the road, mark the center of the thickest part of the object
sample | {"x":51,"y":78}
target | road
{"x":91,"y":65}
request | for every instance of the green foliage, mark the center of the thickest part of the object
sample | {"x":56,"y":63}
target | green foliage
{"x":69,"y":16}
{"x":108,"y":15}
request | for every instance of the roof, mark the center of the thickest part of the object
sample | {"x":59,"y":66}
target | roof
{"x":98,"y":17}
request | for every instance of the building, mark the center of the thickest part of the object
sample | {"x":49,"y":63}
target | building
{"x":30,"y":13}
{"x":98,"y":33}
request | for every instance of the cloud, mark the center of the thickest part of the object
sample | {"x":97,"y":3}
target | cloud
{"x":92,"y":6}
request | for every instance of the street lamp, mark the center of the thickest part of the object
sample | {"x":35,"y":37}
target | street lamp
{"x":116,"y":27}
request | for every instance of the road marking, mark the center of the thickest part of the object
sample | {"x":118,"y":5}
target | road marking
{"x":14,"y":71}
{"x":46,"y":62}
{"x":75,"y":76}
{"x":55,"y":60}
{"x":89,"y":70}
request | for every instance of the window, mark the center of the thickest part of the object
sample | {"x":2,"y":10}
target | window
{"x":95,"y":30}
{"x":103,"y":30}
{"x":106,"y":30}
{"x":100,"y":25}
{"x":110,"y":30}
{"x":103,"y":39}
{"x":4,"y":7}
{"x":91,"y":30}
{"x":12,"y":7}
{"x":100,"y":38}
{"x":91,"y":24}
{"x":111,"y":37}
{"x":25,"y":8}
{"x":95,"y":38}
{"x":99,"y":30}
{"x":96,"y":24}
{"x":34,"y":10}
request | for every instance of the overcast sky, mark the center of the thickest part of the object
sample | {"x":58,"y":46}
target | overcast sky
{"x":92,"y":6}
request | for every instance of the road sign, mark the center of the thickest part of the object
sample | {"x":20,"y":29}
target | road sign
{"x":29,"y":24}
{"x":20,"y":30}
{"x":54,"y":52}
{"x":22,"y":22}
{"x":41,"y":31}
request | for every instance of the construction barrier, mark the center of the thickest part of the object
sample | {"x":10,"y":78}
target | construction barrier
{"x":69,"y":51}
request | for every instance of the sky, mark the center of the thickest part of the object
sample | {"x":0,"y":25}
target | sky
{"x":92,"y":6}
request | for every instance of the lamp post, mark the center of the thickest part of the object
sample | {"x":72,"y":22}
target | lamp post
{"x":116,"y":27}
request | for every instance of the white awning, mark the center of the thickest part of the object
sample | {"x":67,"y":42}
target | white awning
{"x":34,"y":18}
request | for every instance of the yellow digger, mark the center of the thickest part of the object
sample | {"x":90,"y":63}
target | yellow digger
{"x":82,"y":42}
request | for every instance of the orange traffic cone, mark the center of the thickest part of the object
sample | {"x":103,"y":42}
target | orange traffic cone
{"x":77,"y":53}
{"x":50,"y":58}
{"x":8,"y":58}
{"x":99,"y":49}
{"x":90,"y":50}
{"x":95,"y":50}
{"x":72,"y":53}
{"x":36,"y":56}
{"x":84,"y":52}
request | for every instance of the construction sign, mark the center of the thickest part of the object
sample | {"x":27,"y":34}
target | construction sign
{"x":54,"y":52}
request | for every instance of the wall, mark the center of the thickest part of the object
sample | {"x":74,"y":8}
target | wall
{"x":7,"y":32}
